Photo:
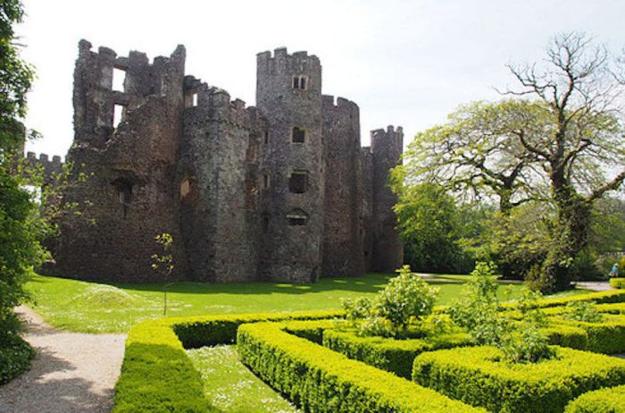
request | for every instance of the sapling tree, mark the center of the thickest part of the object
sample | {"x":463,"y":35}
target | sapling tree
{"x":163,"y":262}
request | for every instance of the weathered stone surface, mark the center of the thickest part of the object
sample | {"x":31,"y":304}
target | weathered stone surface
{"x":279,"y":192}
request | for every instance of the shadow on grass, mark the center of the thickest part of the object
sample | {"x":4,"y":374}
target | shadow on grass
{"x":368,"y":284}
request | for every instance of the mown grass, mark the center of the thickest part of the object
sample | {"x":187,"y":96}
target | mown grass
{"x":230,"y":387}
{"x":101,"y":308}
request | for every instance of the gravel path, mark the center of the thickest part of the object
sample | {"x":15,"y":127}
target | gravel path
{"x":594,"y":285}
{"x":72,"y":372}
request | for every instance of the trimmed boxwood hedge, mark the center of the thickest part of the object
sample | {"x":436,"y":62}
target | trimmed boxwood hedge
{"x":606,"y":336}
{"x":389,"y":354}
{"x":321,"y":380}
{"x":601,"y":297}
{"x":610,"y":400}
{"x":477,"y":376}
{"x":617,"y":282}
{"x":566,"y":336}
{"x":157,"y":375}
{"x":15,"y":357}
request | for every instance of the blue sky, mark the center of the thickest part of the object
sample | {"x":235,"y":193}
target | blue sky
{"x":405,"y":63}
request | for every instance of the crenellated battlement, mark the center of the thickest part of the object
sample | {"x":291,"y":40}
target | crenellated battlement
{"x":281,"y":62}
{"x":49,"y":166}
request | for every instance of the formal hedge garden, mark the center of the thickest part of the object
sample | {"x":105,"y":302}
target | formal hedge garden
{"x":329,"y":361}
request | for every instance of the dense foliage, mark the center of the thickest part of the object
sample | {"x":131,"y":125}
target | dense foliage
{"x":548,"y":149}
{"x":20,"y":228}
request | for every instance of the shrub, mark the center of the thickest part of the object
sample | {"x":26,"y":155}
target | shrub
{"x":15,"y":357}
{"x":583,"y":311}
{"x":406,"y":299}
{"x":157,"y":375}
{"x":617,"y":282}
{"x":566,"y":336}
{"x":610,"y":400}
{"x":389,"y":354}
{"x":320,"y":380}
{"x":479,"y":376}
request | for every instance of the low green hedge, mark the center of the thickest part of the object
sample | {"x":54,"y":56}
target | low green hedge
{"x":617,"y":282}
{"x":389,"y":354}
{"x":610,"y":400}
{"x":321,"y":380}
{"x":477,"y":376}
{"x":606,"y":336}
{"x":566,"y":336}
{"x":601,"y":297}
{"x":15,"y":357}
{"x":157,"y":375}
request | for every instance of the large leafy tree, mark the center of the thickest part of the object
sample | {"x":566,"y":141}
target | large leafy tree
{"x":559,"y":139}
{"x":20,"y":227}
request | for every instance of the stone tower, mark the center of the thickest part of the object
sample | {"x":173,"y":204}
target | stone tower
{"x":288,"y":93}
{"x":388,"y":252}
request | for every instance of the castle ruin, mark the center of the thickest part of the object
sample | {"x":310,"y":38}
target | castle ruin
{"x":280,"y":191}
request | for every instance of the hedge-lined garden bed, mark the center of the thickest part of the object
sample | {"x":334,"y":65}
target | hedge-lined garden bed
{"x":157,"y":375}
{"x":478,"y":376}
{"x":321,"y":380}
{"x":389,"y":354}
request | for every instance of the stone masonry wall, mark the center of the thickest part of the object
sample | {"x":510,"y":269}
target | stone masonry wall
{"x":343,"y":252}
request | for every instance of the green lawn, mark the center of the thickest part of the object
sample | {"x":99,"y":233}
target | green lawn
{"x":102,"y":308}
{"x":230,"y":387}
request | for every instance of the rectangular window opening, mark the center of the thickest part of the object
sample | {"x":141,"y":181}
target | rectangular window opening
{"x":299,"y":135}
{"x":302,"y":82}
{"x":265,"y":181}
{"x":194,"y":100}
{"x":297,"y":219}
{"x":118,"y":115}
{"x":119,"y":77}
{"x":266,"y":137}
{"x":298,"y":183}
{"x":295,"y":82}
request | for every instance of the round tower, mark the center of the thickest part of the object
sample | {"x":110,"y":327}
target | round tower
{"x":288,"y":94}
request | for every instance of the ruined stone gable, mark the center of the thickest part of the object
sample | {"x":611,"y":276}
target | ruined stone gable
{"x":281,"y":191}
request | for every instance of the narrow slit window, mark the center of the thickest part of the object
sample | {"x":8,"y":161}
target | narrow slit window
{"x":266,"y":137}
{"x":298,"y":182}
{"x":266,"y":181}
{"x":295,"y":82}
{"x":302,"y":82}
{"x":194,"y":100}
{"x":119,"y":77}
{"x":118,"y":115}
{"x":296,"y":219}
{"x":299,"y":135}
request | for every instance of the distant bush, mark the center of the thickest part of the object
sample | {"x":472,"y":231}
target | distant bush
{"x":15,"y":357}
{"x":617,"y":282}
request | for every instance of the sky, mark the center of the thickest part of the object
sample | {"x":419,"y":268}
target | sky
{"x":406,"y":63}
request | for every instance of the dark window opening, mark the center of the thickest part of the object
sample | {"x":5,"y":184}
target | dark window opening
{"x":124,"y":193}
{"x":299,"y":135}
{"x":298,"y":183}
{"x":297,"y":220}
{"x":266,"y":137}
{"x":299,"y":82}
{"x":265,"y":181}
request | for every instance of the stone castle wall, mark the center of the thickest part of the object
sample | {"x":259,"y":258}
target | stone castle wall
{"x":281,"y":191}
